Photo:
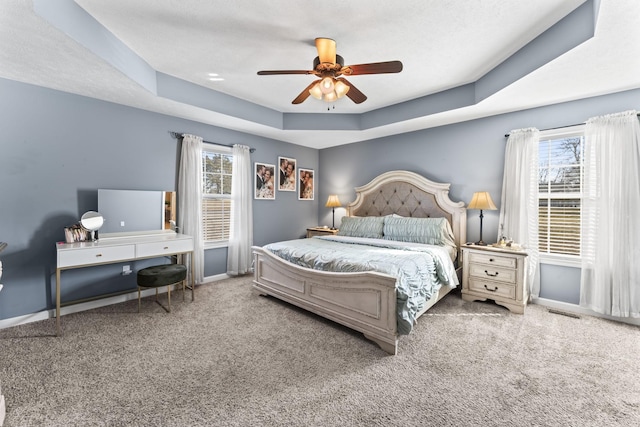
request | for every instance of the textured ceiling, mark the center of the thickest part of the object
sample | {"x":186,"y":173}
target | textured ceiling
{"x":443,"y":45}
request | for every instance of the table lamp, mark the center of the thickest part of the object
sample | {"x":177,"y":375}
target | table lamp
{"x":481,"y":200}
{"x":333,"y":202}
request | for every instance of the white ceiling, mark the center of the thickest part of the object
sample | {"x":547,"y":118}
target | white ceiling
{"x":442,"y":44}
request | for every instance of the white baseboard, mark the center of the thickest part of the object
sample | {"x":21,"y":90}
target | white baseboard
{"x":89,"y":305}
{"x":3,"y":410}
{"x":215,"y":278}
{"x":576,"y":309}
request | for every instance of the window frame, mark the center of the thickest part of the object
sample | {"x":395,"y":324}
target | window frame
{"x":565,"y":260}
{"x":218,"y":149}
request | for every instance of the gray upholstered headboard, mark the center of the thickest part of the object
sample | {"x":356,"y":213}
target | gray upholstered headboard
{"x":410,"y":195}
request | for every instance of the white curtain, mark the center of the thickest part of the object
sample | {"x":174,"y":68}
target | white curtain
{"x":611,"y":216}
{"x":519,"y":207}
{"x":190,"y":199}
{"x":241,"y":235}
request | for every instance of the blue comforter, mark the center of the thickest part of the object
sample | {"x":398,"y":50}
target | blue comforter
{"x":420,"y":269}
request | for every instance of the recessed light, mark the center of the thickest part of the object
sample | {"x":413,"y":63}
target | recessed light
{"x":216,"y":79}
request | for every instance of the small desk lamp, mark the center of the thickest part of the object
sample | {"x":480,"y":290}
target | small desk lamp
{"x":333,"y":202}
{"x":481,"y":200}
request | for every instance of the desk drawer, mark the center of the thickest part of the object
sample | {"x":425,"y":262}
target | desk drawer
{"x":163,"y":248}
{"x":90,"y":256}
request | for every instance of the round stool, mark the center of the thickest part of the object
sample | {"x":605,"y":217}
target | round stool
{"x":161,"y":275}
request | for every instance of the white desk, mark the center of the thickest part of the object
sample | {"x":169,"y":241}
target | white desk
{"x":118,"y":249}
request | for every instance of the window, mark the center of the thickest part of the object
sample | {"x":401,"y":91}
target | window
{"x":560,"y":175}
{"x":217,"y":164}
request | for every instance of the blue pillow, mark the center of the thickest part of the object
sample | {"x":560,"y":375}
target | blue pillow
{"x":362,"y":226}
{"x":430,"y":231}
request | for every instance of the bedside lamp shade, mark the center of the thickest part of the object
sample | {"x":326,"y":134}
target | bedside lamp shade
{"x":481,"y":200}
{"x":333,"y":202}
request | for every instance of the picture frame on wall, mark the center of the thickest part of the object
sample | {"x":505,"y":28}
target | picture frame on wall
{"x":265,"y":187}
{"x":287,"y":179}
{"x":306,"y":180}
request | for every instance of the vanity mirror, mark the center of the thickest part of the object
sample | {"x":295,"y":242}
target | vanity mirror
{"x":134,"y":212}
{"x":92,"y":221}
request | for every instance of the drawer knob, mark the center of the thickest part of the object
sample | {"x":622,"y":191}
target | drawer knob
{"x":491,"y":275}
{"x":491,"y":259}
{"x":166,"y":247}
{"x":98,"y":255}
{"x":491,"y":290}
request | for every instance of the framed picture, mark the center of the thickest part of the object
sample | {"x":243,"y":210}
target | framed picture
{"x":265,"y":181}
{"x":287,"y":174}
{"x":305,"y":184}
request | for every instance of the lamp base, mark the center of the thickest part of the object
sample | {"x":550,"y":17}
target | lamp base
{"x":481,"y":243}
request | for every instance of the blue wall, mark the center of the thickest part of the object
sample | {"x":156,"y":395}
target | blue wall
{"x":58,"y":149}
{"x":470,"y":156}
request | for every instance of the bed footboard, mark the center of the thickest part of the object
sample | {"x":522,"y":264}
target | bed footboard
{"x":365,"y":302}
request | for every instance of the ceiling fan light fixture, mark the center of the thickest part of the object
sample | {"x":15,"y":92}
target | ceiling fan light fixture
{"x":330,"y":97}
{"x":327,"y":85}
{"x":315,"y":91}
{"x":341,"y":89}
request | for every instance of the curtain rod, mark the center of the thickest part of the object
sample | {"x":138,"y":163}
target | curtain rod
{"x":506,"y":135}
{"x":178,"y":135}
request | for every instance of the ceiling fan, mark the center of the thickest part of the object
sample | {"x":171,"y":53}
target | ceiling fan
{"x":330,"y":67}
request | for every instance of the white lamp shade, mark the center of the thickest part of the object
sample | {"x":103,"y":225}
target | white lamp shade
{"x":333,"y":201}
{"x":482,"y":200}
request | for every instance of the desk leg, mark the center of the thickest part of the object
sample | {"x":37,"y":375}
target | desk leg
{"x":193,"y":279}
{"x":57,"y":301}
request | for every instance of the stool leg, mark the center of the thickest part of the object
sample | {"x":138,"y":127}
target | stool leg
{"x":167,"y":308}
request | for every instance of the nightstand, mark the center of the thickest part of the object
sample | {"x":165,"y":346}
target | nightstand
{"x":495,"y":273}
{"x":321,"y":231}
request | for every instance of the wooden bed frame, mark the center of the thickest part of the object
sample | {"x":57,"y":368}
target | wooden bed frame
{"x":363,"y":301}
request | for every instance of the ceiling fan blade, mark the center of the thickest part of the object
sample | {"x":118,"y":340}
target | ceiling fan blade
{"x":373,"y":68}
{"x":276,"y":72}
{"x":354,"y":94}
{"x":304,"y":94}
{"x":326,"y":50}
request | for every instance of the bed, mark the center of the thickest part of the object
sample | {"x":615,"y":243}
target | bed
{"x":369,"y":301}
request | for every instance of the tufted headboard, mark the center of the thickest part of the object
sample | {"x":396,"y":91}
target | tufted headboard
{"x":410,"y":195}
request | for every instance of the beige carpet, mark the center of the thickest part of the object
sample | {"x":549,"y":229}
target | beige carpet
{"x":233,"y":358}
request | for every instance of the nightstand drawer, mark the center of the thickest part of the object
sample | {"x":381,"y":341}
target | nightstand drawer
{"x":488,"y":258}
{"x":492,"y":273}
{"x":492,"y":288}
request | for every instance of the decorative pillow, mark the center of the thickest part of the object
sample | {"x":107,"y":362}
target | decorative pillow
{"x":362,"y":226}
{"x":430,"y":231}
